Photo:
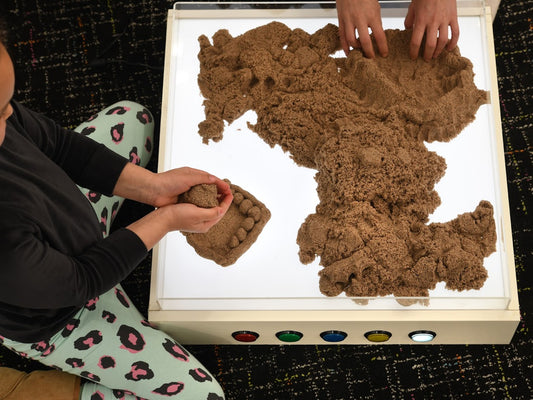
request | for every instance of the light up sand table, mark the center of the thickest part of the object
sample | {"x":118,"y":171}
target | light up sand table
{"x":268,"y":290}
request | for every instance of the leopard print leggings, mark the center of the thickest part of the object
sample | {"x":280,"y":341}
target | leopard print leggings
{"x":119,"y":354}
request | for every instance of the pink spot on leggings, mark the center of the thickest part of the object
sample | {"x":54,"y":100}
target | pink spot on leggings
{"x":132,"y":338}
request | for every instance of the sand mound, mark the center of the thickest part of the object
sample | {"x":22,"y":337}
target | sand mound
{"x":361,"y":124}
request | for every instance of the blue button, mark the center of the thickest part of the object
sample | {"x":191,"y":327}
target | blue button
{"x":333,"y":336}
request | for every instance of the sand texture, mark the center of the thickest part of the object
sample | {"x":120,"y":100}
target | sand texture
{"x":204,"y":195}
{"x":361,"y":124}
{"x":233,"y":235}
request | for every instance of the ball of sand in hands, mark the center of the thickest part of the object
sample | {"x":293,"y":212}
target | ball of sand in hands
{"x":429,"y":19}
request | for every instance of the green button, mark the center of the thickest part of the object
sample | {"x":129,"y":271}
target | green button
{"x":289,"y":336}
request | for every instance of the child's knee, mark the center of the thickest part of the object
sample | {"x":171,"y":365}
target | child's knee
{"x":143,"y":113}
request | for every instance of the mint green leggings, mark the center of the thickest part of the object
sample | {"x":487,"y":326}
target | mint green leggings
{"x":108,"y":342}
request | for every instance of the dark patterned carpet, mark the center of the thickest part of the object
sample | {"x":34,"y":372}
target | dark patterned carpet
{"x":58,"y":45}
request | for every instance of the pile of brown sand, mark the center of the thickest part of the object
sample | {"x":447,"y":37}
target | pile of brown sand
{"x":233,"y":235}
{"x":361,"y":124}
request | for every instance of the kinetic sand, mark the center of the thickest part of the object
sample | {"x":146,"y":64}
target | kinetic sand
{"x":361,"y":124}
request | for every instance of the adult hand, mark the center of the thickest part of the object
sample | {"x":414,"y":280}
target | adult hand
{"x":360,"y":15}
{"x":432,"y":19}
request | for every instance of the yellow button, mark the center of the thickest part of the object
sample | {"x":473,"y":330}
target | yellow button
{"x":378,"y":336}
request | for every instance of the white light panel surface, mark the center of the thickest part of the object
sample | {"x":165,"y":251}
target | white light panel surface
{"x":269,"y":275}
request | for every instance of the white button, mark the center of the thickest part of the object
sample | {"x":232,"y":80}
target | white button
{"x":422,"y":336}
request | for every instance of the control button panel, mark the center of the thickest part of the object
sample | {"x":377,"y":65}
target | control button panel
{"x":334,"y":336}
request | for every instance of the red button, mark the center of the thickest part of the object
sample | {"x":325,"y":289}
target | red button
{"x":245,"y":336}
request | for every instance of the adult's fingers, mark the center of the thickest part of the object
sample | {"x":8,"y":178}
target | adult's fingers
{"x":347,"y":37}
{"x":416,"y":40}
{"x":454,"y":26}
{"x":410,"y":17}
{"x":366,"y":42}
{"x":431,"y":43}
{"x":441,"y":41}
{"x":381,"y":40}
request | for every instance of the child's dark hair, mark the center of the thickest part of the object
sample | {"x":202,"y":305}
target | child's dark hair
{"x":3,"y":30}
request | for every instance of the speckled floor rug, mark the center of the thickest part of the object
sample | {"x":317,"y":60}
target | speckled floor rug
{"x":74,"y":57}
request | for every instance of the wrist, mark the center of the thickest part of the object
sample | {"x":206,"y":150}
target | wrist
{"x":153,"y":188}
{"x":153,"y":226}
{"x":165,"y":217}
{"x":135,"y":183}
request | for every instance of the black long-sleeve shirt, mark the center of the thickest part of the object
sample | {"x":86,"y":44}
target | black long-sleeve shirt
{"x":53,"y":258}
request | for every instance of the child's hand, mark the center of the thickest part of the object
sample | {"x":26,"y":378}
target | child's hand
{"x":167,"y":186}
